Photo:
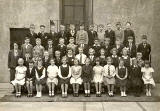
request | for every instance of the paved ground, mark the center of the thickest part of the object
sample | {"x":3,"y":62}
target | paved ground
{"x":76,"y":106}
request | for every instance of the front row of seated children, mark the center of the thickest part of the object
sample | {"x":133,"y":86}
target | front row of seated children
{"x":77,"y":74}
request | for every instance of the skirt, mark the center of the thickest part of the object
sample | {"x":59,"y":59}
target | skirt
{"x":137,"y":82}
{"x":41,"y":81}
{"x":87,"y":79}
{"x":108,"y":81}
{"x":64,"y":81}
{"x":76,"y":81}
{"x":98,"y":78}
{"x":19,"y":82}
{"x":54,"y":80}
{"x":150,"y":81}
{"x":121,"y":82}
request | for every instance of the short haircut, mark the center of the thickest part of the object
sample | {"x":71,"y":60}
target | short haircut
{"x":128,"y":23}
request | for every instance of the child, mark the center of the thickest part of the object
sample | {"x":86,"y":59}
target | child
{"x":139,"y":59}
{"x":71,"y":32}
{"x":35,"y":59}
{"x":119,"y":32}
{"x":50,"y":48}
{"x":19,"y":80}
{"x":40,"y":77}
{"x":76,"y":80}
{"x":26,"y":47}
{"x":62,"y":47}
{"x":30,"y":77}
{"x":109,"y":33}
{"x":43,"y":35}
{"x":70,"y":57}
{"x":144,"y":48}
{"x":119,"y":46}
{"x":101,"y":33}
{"x":27,"y":59}
{"x":98,"y":77}
{"x":87,"y":72}
{"x":132,"y":47}
{"x":109,"y":76}
{"x":102,"y":57}
{"x":38,"y":49}
{"x":107,"y":47}
{"x":115,"y":58}
{"x":58,"y":58}
{"x":81,"y":57}
{"x":52,"y":81}
{"x":91,"y":56}
{"x":71,"y":45}
{"x":121,"y":74}
{"x":126,"y":58}
{"x":64,"y":74}
{"x":96,"y":47}
{"x":148,"y":77}
{"x":136,"y":78}
{"x":82,"y":36}
{"x":46,"y":59}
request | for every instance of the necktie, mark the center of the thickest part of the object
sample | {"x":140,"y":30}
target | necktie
{"x":80,"y":58}
{"x":109,"y":70}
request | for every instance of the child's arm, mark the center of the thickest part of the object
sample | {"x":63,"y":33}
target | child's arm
{"x":59,"y":73}
{"x":114,"y":72}
{"x":80,"y":72}
{"x":43,"y":74}
{"x":37,"y":77}
{"x":69,"y":75}
{"x":117,"y":74}
{"x":126,"y":74}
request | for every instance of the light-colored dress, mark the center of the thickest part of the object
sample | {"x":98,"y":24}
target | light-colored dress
{"x":20,"y":75}
{"x":52,"y":72}
{"x":76,"y":72}
{"x":98,"y":74}
{"x":147,"y":75}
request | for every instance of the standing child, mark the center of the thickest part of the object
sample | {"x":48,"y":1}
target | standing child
{"x":64,"y":74}
{"x":30,"y":77}
{"x":87,"y":72}
{"x":19,"y":80}
{"x":148,"y":77}
{"x":132,"y":47}
{"x":62,"y":47}
{"x":70,"y":57}
{"x":115,"y":58}
{"x":136,"y":78}
{"x":46,"y":59}
{"x":58,"y":58}
{"x":76,"y":80}
{"x":98,"y":77}
{"x":50,"y":48}
{"x":91,"y":56}
{"x":40,"y":77}
{"x":71,"y":45}
{"x":52,"y":81}
{"x":121,"y":74}
{"x":109,"y":76}
{"x":102,"y":57}
{"x":96,"y":46}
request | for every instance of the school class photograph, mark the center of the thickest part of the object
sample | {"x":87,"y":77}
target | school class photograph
{"x":80,"y":55}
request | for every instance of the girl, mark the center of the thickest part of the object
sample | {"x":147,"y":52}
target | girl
{"x":102,"y":57}
{"x":139,"y":59}
{"x":76,"y":80}
{"x":40,"y":77}
{"x":115,"y":58}
{"x":46,"y":59}
{"x":70,"y":57}
{"x":98,"y":77}
{"x":64,"y":74}
{"x":126,"y":58}
{"x":87,"y":72}
{"x":19,"y":80}
{"x":109,"y":76}
{"x":148,"y":77}
{"x":121,"y":74}
{"x":52,"y":81}
{"x":136,"y":78}
{"x":30,"y":76}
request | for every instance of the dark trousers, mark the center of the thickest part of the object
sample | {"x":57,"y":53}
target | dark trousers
{"x":12,"y":73}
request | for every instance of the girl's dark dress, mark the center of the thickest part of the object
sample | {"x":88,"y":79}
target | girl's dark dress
{"x":64,"y":73}
{"x":58,"y":62}
{"x":115,"y":61}
{"x":70,"y":60}
{"x":103,"y":61}
{"x":46,"y":62}
{"x":40,"y":73}
{"x":122,"y":73}
{"x":87,"y":72}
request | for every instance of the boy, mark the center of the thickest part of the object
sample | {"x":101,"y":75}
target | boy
{"x":96,"y":47}
{"x":119,"y":47}
{"x":144,"y":48}
{"x":132,"y":47}
{"x":62,"y":47}
{"x":81,"y":56}
{"x":119,"y":32}
{"x":53,"y":35}
{"x":58,"y":58}
{"x":62,"y":34}
{"x":26,"y":47}
{"x":109,"y":33}
{"x":50,"y":48}
{"x":71,"y":32}
{"x":71,"y":45}
{"x":43,"y":35}
{"x":92,"y":57}
{"x":107,"y":47}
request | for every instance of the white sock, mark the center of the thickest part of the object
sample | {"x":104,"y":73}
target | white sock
{"x":89,"y":91}
{"x":86,"y":91}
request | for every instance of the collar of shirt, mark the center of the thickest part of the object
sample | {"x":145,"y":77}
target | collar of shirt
{"x":97,"y":45}
{"x":121,"y":67}
{"x":64,"y":65}
{"x":125,"y":57}
{"x":135,"y":66}
{"x":114,"y":56}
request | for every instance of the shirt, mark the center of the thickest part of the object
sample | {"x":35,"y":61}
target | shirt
{"x":147,"y":72}
{"x":109,"y":70}
{"x":52,"y":71}
{"x":81,"y":58}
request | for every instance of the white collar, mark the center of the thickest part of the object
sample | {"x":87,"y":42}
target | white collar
{"x":121,"y":67}
{"x":96,"y":45}
{"x":114,"y":56}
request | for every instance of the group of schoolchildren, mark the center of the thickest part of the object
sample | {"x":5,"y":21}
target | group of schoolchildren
{"x":105,"y":58}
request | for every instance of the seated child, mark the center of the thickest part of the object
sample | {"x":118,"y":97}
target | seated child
{"x":52,"y":73}
{"x":70,"y":57}
{"x":98,"y":77}
{"x":81,"y":56}
{"x":109,"y":76}
{"x":87,"y":72}
{"x":102,"y":57}
{"x":19,"y":80}
{"x":148,"y":77}
{"x":64,"y":75}
{"x":40,"y":72}
{"x":121,"y":74}
{"x":76,"y":80}
{"x":30,"y":77}
{"x":136,"y":78}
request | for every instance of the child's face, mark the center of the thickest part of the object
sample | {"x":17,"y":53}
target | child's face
{"x":31,"y":65}
{"x":118,"y":26}
{"x":57,"y":54}
{"x":128,"y":26}
{"x":114,"y":52}
{"x":107,"y":41}
{"x":130,"y":40}
{"x":38,"y":42}
{"x":81,"y":27}
{"x":80,"y":51}
{"x":109,"y":26}
{"x":147,"y":65}
{"x":91,"y":28}
{"x":70,"y":52}
{"x":42,"y":29}
{"x":32,"y":28}
{"x":139,"y":56}
{"x":52,"y":28}
{"x":72,"y":27}
{"x":135,"y":62}
{"x":121,"y":63}
{"x":52,"y":62}
{"x":50,"y":42}
{"x":61,"y":41}
{"x":27,"y":41}
{"x":96,"y":42}
{"x":91,"y":52}
{"x":64,"y":61}
{"x":97,"y":62}
{"x":109,"y":62}
{"x":75,"y":62}
{"x":46,"y":54}
{"x":118,"y":42}
{"x":62,"y":28}
{"x":87,"y":61}
{"x":20,"y":62}
{"x":39,"y":63}
{"x":144,"y":40}
{"x":27,"y":55}
{"x":102,"y":52}
{"x":71,"y":41}
{"x":15,"y":46}
{"x":125,"y":52}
